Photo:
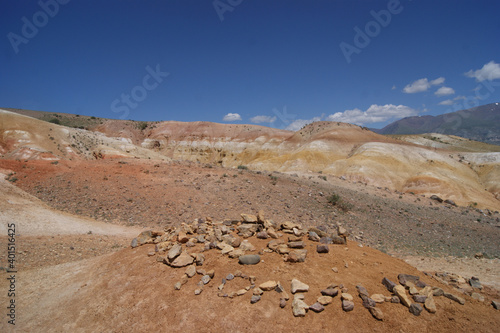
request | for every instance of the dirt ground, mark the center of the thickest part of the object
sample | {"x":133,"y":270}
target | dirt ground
{"x":78,"y":273}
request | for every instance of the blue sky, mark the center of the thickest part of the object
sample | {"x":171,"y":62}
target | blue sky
{"x":274,"y":63}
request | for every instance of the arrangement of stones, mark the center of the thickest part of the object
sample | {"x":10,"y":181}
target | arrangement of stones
{"x":171,"y":249}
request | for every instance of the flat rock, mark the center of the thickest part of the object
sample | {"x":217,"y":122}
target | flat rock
{"x":268,"y":285}
{"x":257,"y":291}
{"x":198,"y":291}
{"x":226,"y":249}
{"x":388,"y":284}
{"x":241,"y":292}
{"x":296,"y":245}
{"x":182,"y":237}
{"x":191,"y":271}
{"x":248,"y":218}
{"x":368,"y":302}
{"x":347,"y":297}
{"x":400,"y":291}
{"x":247,"y":229}
{"x":455,"y":298}
{"x":331,"y":292}
{"x":403,"y":278}
{"x":362,"y":291}
{"x":199,"y":259}
{"x":317,"y":307}
{"x":177,"y":286}
{"x":496,"y":304}
{"x":322,"y":248}
{"x":326,"y":240}
{"x":184,"y":259}
{"x":297,"y":256}
{"x":347,"y":305}
{"x":429,"y":304}
{"x":325,"y":300}
{"x":145,"y":237}
{"x":298,"y":286}
{"x":262,"y":235}
{"x":437,"y":291}
{"x":236,"y":253}
{"x":273,"y":245}
{"x":174,"y":252}
{"x":419,"y":298}
{"x":376,"y":313}
{"x":436,"y":198}
{"x":474,"y":283}
{"x":313,"y":236}
{"x":249,"y":259}
{"x":247,"y":246}
{"x":416,"y":309}
{"x":205,"y":279}
{"x":134,"y":243}
{"x":338,"y":240}
{"x":282,"y":303}
{"x":272,"y":233}
{"x":283,"y":249}
{"x":378,"y":298}
{"x":299,"y":307}
{"x":255,"y":299}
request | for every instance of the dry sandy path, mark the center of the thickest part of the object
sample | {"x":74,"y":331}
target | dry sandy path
{"x":34,"y":218}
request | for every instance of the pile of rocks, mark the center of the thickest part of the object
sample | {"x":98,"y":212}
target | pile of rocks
{"x":226,"y":236}
{"x":231,"y":238}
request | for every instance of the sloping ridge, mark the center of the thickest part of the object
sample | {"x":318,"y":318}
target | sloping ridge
{"x":338,"y":149}
{"x":23,"y":137}
{"x":131,"y":291}
{"x":479,"y":123}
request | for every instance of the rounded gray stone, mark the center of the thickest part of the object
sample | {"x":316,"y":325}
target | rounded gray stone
{"x":249,"y":259}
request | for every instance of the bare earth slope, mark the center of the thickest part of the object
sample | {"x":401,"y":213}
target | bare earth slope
{"x":130,"y":292}
{"x":342,"y":150}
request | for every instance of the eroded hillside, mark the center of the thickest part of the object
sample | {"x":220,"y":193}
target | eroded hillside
{"x":461,"y":174}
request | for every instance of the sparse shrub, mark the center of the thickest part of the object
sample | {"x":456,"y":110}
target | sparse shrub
{"x":322,"y":177}
{"x":13,"y":179}
{"x":337,"y":201}
{"x":143,"y":125}
{"x":55,"y":162}
{"x":55,"y":121}
{"x":93,"y":117}
{"x":274,"y":179}
{"x":333,"y":199}
{"x":242,"y":167}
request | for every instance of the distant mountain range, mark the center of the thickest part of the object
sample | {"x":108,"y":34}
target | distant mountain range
{"x":481,"y":123}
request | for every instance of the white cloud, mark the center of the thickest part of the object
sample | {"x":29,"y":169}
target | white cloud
{"x":299,"y":123}
{"x":262,"y":119}
{"x":421,"y":85}
{"x":444,"y":91}
{"x":447,"y":102}
{"x":490,"y":72}
{"x":231,"y":117}
{"x":374,"y":114}
{"x":439,"y":80}
{"x":393,"y":87}
{"x":452,"y":101}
